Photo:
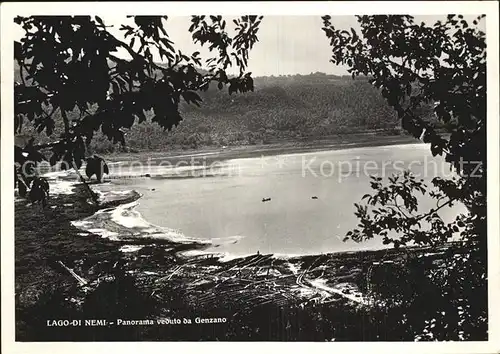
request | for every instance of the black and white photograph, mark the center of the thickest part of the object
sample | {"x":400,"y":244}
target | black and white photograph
{"x":250,"y":176}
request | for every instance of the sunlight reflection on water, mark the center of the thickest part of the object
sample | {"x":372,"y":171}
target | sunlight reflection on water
{"x":230,"y":202}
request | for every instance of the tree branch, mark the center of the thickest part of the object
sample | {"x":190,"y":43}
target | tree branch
{"x":66,"y":123}
{"x":435,"y":210}
{"x":398,"y":207}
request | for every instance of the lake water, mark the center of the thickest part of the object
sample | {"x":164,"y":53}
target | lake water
{"x":228,"y":200}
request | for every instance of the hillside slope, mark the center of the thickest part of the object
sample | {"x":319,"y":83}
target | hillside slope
{"x":284,"y":108}
{"x":281,"y":109}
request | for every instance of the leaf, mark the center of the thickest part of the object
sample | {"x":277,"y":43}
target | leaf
{"x":191,"y":97}
{"x":98,"y":19}
{"x":54,"y":159}
{"x":355,"y":37}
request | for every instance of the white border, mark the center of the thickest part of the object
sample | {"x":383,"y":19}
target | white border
{"x":10,"y":10}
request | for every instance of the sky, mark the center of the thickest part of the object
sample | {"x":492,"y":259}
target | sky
{"x":287,"y":45}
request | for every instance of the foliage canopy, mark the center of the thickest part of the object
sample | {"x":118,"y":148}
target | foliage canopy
{"x":415,"y":65}
{"x":71,"y":64}
{"x":443,"y":64}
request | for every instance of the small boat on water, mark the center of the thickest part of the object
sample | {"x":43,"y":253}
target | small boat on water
{"x":266,"y":200}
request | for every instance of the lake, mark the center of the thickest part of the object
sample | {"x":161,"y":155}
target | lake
{"x":224,"y":199}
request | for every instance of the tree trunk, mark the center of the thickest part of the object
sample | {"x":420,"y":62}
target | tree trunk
{"x":93,"y":196}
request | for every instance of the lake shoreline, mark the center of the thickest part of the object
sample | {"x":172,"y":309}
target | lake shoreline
{"x":347,"y":141}
{"x":63,"y":269}
{"x":166,"y":277}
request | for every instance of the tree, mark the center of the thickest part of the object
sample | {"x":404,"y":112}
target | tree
{"x":414,"y":65}
{"x":71,"y":74}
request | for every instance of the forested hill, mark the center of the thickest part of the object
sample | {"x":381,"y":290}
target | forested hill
{"x":284,"y":108}
{"x":300,"y":107}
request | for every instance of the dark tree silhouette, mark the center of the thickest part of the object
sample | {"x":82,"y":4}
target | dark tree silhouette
{"x":39,"y":191}
{"x":71,"y":73}
{"x":414,"y":65}
{"x":96,"y":166}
